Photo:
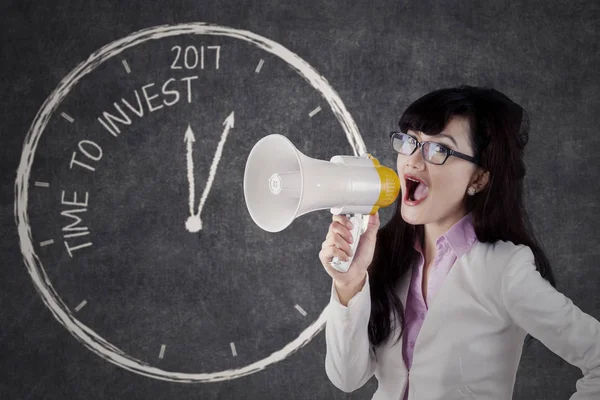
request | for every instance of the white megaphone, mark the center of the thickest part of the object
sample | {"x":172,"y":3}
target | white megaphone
{"x":281,"y":184}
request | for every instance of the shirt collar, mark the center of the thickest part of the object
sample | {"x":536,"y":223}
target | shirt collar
{"x":460,"y":237}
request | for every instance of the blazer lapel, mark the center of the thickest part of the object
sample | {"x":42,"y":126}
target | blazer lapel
{"x":403,"y":290}
{"x":443,"y":297}
{"x":404,"y":286}
{"x":446,"y":291}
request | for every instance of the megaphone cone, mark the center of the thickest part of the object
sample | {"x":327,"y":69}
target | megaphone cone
{"x":273,"y":202}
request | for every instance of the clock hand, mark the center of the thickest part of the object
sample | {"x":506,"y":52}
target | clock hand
{"x":189,"y":139}
{"x":193,"y":223}
{"x":228,"y":123}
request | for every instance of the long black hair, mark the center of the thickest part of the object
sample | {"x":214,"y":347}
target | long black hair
{"x":499,"y":131}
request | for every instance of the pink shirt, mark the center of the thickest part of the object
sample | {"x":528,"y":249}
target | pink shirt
{"x":449,"y":247}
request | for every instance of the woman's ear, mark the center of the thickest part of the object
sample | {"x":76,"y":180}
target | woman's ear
{"x":480,"y":179}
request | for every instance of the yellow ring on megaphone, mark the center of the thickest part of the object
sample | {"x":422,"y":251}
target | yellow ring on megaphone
{"x":390,"y":185}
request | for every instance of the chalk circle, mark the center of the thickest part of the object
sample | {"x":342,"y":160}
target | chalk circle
{"x":42,"y":284}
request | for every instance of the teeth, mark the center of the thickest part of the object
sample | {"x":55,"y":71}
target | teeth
{"x":414,"y":180}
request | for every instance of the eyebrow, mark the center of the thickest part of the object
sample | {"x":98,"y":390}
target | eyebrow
{"x":444,"y":135}
{"x":449,"y":137}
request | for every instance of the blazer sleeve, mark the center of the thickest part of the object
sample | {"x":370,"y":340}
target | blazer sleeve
{"x":552,"y":318}
{"x":350,"y":360}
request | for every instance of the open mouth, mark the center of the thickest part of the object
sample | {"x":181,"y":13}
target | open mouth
{"x":415,"y":190}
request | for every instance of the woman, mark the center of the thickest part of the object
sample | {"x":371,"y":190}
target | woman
{"x":438,"y":302}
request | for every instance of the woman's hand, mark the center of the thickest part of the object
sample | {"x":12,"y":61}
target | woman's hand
{"x":337,"y":243}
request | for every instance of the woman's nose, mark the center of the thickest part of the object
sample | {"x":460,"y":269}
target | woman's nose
{"x":415,"y":159}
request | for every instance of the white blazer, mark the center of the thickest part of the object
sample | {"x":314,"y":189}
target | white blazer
{"x":469,"y":346}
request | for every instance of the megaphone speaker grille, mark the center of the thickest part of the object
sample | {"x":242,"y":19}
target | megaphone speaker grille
{"x":273,"y":154}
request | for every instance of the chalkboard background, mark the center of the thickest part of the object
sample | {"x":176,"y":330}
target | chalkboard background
{"x":176,"y":300}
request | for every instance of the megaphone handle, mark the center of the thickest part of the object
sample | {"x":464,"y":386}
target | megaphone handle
{"x":357,"y":230}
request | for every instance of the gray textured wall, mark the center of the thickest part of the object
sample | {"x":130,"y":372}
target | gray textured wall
{"x":176,"y":301}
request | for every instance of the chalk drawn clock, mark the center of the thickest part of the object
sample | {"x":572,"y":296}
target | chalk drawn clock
{"x":130,"y":211}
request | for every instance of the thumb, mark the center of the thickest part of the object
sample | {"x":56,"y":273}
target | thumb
{"x":373,"y":225}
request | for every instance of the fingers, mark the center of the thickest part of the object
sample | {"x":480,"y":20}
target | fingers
{"x":327,"y":253}
{"x":341,"y":230}
{"x":339,"y":235}
{"x":343,"y":220}
{"x":337,"y":242}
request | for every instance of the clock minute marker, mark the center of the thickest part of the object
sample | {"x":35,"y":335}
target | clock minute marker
{"x":47,"y":242}
{"x":300,"y":310}
{"x":162,"y":351}
{"x":233,"y":351}
{"x":81,"y":305}
{"x":67,"y":117}
{"x":126,"y":66}
{"x":259,"y":66}
{"x":41,"y":184}
{"x":313,"y":112}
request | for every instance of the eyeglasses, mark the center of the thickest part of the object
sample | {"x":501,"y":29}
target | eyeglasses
{"x":432,"y":152}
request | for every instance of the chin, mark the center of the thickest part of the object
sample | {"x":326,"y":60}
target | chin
{"x":412,"y":215}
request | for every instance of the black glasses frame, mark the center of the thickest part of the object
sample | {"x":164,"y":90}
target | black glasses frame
{"x":449,"y":152}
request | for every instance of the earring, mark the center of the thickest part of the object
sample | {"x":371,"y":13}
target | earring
{"x":471,"y":191}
